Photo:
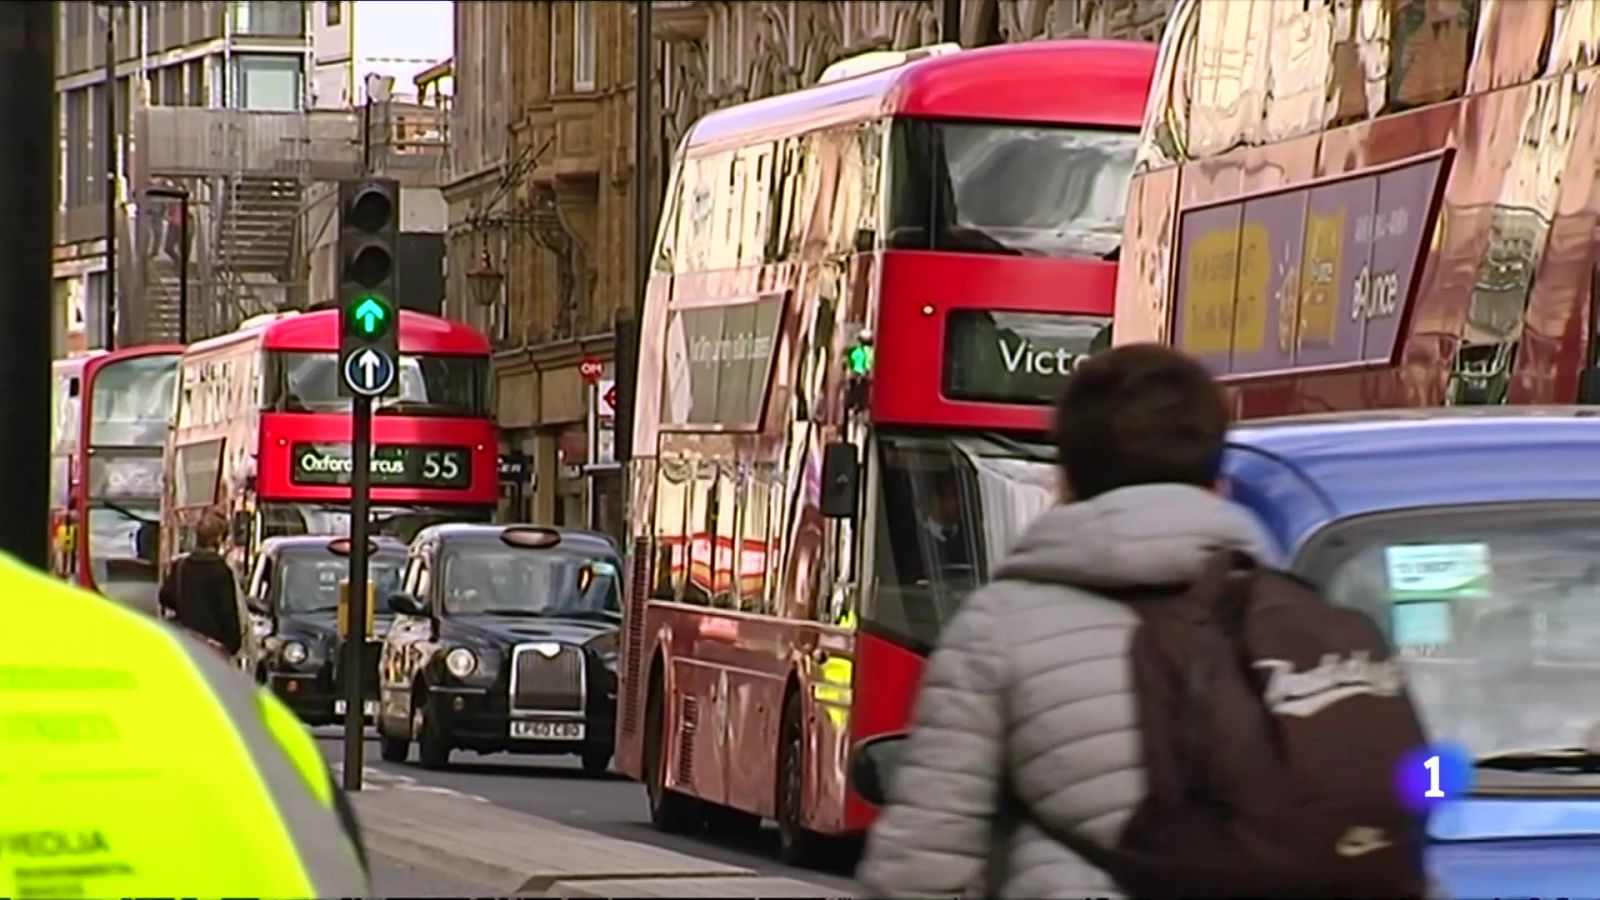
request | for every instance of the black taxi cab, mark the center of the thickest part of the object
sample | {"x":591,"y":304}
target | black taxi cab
{"x":504,"y":640}
{"x":294,"y":612}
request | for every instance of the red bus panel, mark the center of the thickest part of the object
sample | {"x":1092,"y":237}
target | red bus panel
{"x":282,"y":433}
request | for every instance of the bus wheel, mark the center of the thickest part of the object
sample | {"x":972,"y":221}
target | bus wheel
{"x":670,"y":811}
{"x":797,"y":845}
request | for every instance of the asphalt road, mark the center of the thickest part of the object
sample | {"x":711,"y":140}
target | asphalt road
{"x":556,"y":788}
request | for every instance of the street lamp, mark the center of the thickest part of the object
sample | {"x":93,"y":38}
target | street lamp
{"x":484,"y":280}
{"x":182,"y":196}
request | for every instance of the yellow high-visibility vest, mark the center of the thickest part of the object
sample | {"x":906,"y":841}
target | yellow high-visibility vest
{"x":134,"y":762}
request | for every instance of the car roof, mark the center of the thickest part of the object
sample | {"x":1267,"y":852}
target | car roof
{"x":1298,"y":473}
{"x":580,"y":538}
{"x":295,"y":542}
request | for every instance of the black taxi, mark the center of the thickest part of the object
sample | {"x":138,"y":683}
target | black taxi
{"x":504,"y":639}
{"x":294,"y":608}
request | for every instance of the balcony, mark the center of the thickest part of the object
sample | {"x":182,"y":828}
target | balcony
{"x":268,"y":18}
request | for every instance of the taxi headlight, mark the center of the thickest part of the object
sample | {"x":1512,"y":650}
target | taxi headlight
{"x":294,"y":653}
{"x":461,"y":662}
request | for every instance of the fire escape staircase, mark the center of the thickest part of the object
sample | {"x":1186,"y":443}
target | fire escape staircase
{"x":256,"y":241}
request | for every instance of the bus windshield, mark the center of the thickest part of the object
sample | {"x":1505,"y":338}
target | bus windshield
{"x":1021,"y":190}
{"x":949,"y":508}
{"x":131,"y":402}
{"x":122,"y":549}
{"x":429,"y":385}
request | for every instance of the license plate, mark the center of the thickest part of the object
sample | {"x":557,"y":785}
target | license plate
{"x":368,"y":707}
{"x":548,"y":731}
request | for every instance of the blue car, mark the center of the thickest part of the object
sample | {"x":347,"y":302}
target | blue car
{"x":1473,"y":537}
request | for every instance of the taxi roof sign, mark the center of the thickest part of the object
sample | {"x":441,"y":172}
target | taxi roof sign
{"x":530,"y":537}
{"x":341,"y":546}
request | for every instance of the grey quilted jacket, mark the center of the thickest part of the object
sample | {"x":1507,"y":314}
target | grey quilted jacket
{"x":1032,"y":679}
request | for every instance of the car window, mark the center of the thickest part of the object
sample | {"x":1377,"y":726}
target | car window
{"x":1495,"y":611}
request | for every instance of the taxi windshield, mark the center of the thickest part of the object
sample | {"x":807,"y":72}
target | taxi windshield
{"x":1495,"y":611}
{"x":308,"y":580}
{"x":496,"y":579}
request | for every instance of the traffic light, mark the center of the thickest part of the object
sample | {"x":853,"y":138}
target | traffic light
{"x":369,"y":339}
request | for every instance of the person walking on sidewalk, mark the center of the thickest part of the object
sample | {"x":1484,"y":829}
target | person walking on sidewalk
{"x":200,"y":591}
{"x":1063,"y":743}
{"x":138,"y":764}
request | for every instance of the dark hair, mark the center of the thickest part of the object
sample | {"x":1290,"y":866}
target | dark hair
{"x":210,"y":531}
{"x":1139,"y":414}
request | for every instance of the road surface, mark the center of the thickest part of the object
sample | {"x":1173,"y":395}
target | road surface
{"x":556,"y":788}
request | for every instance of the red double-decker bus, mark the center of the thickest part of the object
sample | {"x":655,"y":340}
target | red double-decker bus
{"x":261,"y":434}
{"x":111,"y":411}
{"x":865,"y":296}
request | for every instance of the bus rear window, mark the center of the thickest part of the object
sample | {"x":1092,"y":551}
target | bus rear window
{"x":1018,"y":190}
{"x":429,"y":385}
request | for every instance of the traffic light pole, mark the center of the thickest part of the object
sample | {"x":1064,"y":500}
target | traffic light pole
{"x":27,"y":60}
{"x":355,"y":645}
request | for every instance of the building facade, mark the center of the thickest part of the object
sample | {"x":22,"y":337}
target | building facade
{"x":242,"y":54}
{"x":551,"y":212}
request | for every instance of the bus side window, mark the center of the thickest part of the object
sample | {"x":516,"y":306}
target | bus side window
{"x":1430,"y":46}
{"x":1226,"y":75}
{"x":671,"y":544}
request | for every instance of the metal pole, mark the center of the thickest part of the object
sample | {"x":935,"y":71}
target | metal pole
{"x":643,"y":142}
{"x":356,"y":634}
{"x":950,"y":22}
{"x":183,"y":270}
{"x":110,"y":112}
{"x":594,"y":454}
{"x":366,"y":136}
{"x":27,"y":167}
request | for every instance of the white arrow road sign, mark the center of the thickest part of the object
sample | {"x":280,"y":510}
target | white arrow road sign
{"x":369,"y":372}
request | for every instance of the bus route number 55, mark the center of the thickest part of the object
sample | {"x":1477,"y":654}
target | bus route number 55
{"x":440,"y":466}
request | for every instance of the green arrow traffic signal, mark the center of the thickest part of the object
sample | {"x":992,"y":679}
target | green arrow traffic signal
{"x":371,"y":317}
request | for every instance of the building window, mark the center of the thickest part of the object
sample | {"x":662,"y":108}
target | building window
{"x":332,"y":13}
{"x":269,"y":18}
{"x":583,"y":41}
{"x":268,"y":82}
{"x":552,"y":45}
{"x":198,"y":95}
{"x":78,"y":169}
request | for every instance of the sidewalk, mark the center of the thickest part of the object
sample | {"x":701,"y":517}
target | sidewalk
{"x":515,"y":854}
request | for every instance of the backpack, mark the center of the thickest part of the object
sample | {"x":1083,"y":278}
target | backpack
{"x":1273,"y":726}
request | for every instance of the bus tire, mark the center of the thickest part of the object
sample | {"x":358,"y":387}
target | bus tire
{"x":670,"y":811}
{"x":797,"y":845}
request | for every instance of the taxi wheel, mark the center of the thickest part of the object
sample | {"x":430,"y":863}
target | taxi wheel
{"x":596,"y":763}
{"x":797,"y":845}
{"x":433,"y":748}
{"x":392,"y":749}
{"x":670,"y":811}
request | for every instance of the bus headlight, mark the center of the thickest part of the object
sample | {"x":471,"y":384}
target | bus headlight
{"x":461,"y":662}
{"x":294,"y":653}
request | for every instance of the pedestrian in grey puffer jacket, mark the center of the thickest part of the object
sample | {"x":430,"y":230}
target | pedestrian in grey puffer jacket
{"x":1032,"y":681}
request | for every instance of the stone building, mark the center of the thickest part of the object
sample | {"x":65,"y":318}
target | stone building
{"x":549,"y":219}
